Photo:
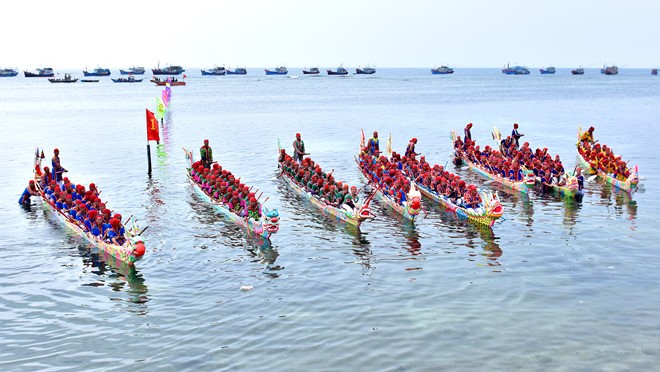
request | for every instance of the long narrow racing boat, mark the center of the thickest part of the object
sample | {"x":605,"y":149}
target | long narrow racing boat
{"x":352,"y":216}
{"x":486,"y":212}
{"x":568,"y":189}
{"x":267,"y":224}
{"x":129,"y":253}
{"x":628,"y":184}
{"x":515,"y":186}
{"x":413,"y":203}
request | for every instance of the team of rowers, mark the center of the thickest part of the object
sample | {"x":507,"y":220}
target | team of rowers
{"x":310,"y":177}
{"x":222,"y":186}
{"x":80,"y":206}
{"x":514,"y":162}
{"x":602,"y":157}
{"x":391,"y":175}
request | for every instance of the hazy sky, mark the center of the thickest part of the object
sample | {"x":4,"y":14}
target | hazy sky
{"x":387,"y":33}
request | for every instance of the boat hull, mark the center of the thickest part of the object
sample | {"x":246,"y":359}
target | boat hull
{"x":311,"y":72}
{"x":330,"y":72}
{"x":104,"y":73}
{"x":483,"y":219}
{"x":120,"y":80}
{"x":236,"y":72}
{"x":62,"y":80}
{"x":336,"y":213}
{"x":403,"y":211}
{"x":32,"y":74}
{"x":213,"y":73}
{"x":363,"y":72}
{"x":9,"y":74}
{"x":269,"y":72}
{"x":130,"y":72}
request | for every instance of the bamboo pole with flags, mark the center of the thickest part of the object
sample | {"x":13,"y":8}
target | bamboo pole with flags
{"x":152,"y":135}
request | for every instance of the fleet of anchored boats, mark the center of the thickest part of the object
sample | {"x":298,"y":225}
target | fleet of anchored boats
{"x":282,"y":70}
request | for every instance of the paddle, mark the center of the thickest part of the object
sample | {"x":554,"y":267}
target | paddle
{"x":591,"y":178}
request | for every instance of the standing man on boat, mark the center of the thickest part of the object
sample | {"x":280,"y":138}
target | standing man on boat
{"x":468,"y":134}
{"x":206,"y":153}
{"x":410,"y":150}
{"x":516,"y":135}
{"x":298,"y":149}
{"x":57,"y":167}
{"x":372,"y":146}
{"x":588,"y":137}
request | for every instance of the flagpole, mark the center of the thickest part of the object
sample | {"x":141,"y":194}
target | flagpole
{"x":149,"y":158}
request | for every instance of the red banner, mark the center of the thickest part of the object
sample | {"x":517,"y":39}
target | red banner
{"x":152,"y":127}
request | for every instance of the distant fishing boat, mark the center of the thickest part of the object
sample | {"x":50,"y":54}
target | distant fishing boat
{"x":41,"y":72}
{"x":173,"y":81}
{"x":237,"y":71}
{"x":8,"y":72}
{"x":278,"y":71}
{"x":216,"y":71}
{"x":442,"y":70}
{"x":578,"y":71}
{"x":133,"y":71}
{"x":515,"y":70}
{"x":169,"y":70}
{"x":67,"y":79}
{"x":311,"y":71}
{"x":547,"y":70}
{"x":97,"y":72}
{"x":654,"y":71}
{"x":609,"y":70}
{"x":129,"y":79}
{"x":89,"y":80}
{"x":339,"y":71}
{"x":367,"y":70}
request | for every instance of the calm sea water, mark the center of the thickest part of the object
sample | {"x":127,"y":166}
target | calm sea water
{"x":556,"y":285}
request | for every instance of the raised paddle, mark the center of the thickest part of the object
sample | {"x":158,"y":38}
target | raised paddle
{"x":591,"y":178}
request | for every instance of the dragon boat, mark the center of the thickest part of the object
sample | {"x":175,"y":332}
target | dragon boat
{"x":628,"y":185}
{"x":129,"y":253}
{"x":352,"y":216}
{"x":264,"y":227}
{"x":413,"y":204}
{"x":515,"y":186}
{"x":569,"y":190}
{"x":413,"y":199}
{"x":486,"y":214}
